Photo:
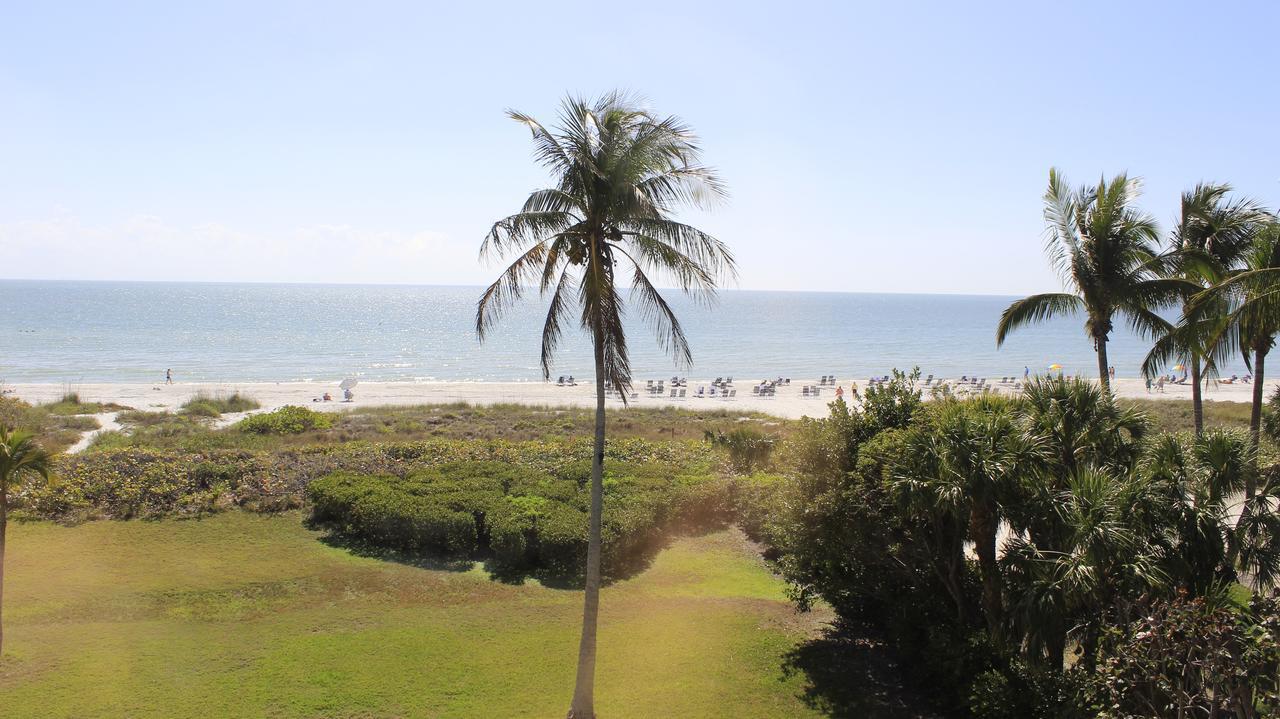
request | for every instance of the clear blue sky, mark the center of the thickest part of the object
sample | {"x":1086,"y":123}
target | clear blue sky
{"x":897,"y":147}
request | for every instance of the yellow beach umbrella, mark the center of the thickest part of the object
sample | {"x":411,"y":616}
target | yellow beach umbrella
{"x":1055,"y":366}
{"x":1179,"y":368}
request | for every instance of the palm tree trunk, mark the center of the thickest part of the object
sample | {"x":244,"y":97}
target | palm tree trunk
{"x":1255,"y":417}
{"x":583,"y":706}
{"x":982,"y":520}
{"x":1103,"y":374}
{"x":4,"y":521}
{"x":1197,"y":406}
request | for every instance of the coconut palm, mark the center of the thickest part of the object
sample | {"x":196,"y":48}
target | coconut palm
{"x":1251,"y":322}
{"x":619,"y":172}
{"x":1210,"y":239}
{"x":1105,"y":250}
{"x":20,"y":458}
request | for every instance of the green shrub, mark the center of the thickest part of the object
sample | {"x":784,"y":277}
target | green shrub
{"x":289,"y":419}
{"x":87,"y":484}
{"x":522,"y":518}
{"x":749,"y":449}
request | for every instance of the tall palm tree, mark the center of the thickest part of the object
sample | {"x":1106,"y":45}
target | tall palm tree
{"x":20,"y":458}
{"x":1251,"y":324}
{"x":1105,"y":250}
{"x":1210,"y":239}
{"x":619,"y":172}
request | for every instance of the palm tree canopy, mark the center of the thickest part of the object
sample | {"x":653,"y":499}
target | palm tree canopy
{"x":1251,"y":297}
{"x":20,"y":456}
{"x":1106,"y":251}
{"x":1212,"y":237}
{"x":619,"y":173}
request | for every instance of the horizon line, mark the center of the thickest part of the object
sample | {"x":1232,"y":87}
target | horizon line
{"x":309,"y":283}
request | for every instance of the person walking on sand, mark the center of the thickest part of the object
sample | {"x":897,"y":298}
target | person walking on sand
{"x":1148,"y":385}
{"x":1160,"y":384}
{"x":168,"y":376}
{"x":1026,"y":372}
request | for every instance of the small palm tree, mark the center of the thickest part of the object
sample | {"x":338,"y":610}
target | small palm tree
{"x":619,"y":173}
{"x":1108,"y":555}
{"x":1105,"y":249}
{"x":1252,"y":321}
{"x":20,"y":458}
{"x":968,"y":457}
{"x":1211,"y":237}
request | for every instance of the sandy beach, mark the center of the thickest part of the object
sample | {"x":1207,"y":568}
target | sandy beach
{"x":789,"y":402}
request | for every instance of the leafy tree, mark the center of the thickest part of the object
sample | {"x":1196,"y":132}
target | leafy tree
{"x":20,"y":458}
{"x":1105,"y":249}
{"x":1193,"y":657}
{"x":619,"y":172}
{"x":1210,"y":239}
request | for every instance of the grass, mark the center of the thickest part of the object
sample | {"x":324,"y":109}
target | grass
{"x":71,"y":404}
{"x":250,"y":615}
{"x":1174,"y":415}
{"x":204,"y":404}
{"x":448,"y":421}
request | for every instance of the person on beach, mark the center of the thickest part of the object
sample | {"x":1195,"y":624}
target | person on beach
{"x":1111,"y":372}
{"x":839,"y":392}
{"x":168,"y":376}
{"x":1026,"y":372}
{"x":1148,"y":385}
{"x":1160,"y":384}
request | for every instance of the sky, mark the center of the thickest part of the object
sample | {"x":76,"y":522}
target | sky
{"x":868,"y":147}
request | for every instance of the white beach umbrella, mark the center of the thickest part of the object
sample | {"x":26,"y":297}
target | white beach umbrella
{"x":348,"y":383}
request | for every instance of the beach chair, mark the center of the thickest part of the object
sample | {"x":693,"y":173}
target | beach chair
{"x":682,"y":394}
{"x":713,"y":392}
{"x":733,"y":394}
{"x":673,"y":393}
{"x":700,"y":392}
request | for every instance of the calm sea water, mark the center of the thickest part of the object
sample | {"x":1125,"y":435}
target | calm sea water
{"x":132,"y":331}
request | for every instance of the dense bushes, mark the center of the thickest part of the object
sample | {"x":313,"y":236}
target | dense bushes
{"x":135,"y":482}
{"x":522,"y":518}
{"x":1193,"y":657}
{"x":894,"y":519}
{"x":289,"y":419}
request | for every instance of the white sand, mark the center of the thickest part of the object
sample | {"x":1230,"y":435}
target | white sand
{"x":788,"y":402}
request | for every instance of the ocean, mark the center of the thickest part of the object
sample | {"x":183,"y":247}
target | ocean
{"x":71,"y":332}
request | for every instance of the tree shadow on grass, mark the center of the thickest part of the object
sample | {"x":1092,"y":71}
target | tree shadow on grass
{"x":851,"y":675}
{"x":568,"y":576}
{"x":412,"y":559}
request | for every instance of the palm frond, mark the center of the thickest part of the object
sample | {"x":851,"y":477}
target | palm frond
{"x":1033,"y":309}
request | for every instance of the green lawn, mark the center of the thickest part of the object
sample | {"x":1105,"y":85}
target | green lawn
{"x":248,"y":615}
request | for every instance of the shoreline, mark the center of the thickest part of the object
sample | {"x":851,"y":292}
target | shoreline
{"x":788,"y":403}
